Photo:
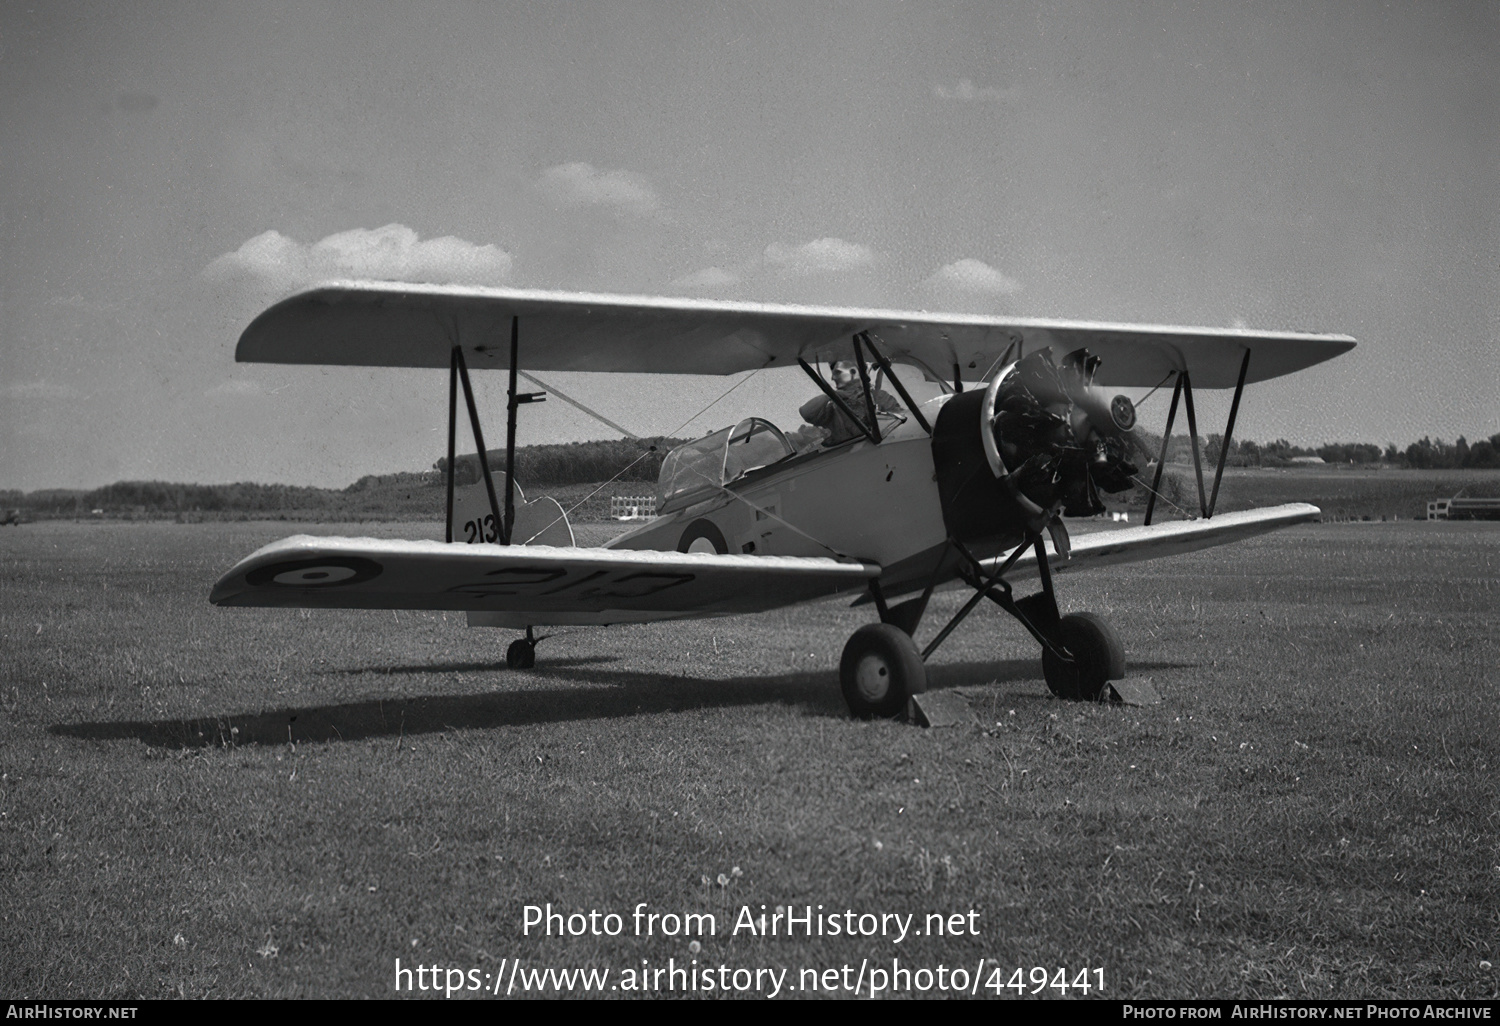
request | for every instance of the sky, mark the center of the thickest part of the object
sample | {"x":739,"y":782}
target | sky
{"x":167,"y":170}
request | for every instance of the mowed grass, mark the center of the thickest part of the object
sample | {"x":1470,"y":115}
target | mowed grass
{"x":1340,"y":490}
{"x":200,"y":801}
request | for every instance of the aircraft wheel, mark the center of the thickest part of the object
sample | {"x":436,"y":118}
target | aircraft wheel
{"x":521,"y":655}
{"x":1097,"y":654}
{"x":880,"y":670}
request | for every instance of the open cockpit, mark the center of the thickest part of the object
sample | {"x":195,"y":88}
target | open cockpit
{"x":700,"y":469}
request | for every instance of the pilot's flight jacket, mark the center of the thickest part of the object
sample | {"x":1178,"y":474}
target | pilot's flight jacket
{"x":823,"y":412}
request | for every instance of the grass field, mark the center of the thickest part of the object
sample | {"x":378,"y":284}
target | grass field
{"x":1339,"y":491}
{"x":200,"y":801}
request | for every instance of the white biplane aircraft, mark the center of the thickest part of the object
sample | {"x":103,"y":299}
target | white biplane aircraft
{"x":962,"y":489}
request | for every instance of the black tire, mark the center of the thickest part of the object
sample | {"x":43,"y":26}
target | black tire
{"x":1097,"y":654}
{"x":879,"y":672}
{"x":521,"y":655}
{"x":703,"y":530}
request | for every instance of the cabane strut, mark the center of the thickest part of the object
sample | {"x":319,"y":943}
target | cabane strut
{"x":458,"y":373}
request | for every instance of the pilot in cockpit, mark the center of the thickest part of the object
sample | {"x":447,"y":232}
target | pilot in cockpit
{"x":823,"y":412}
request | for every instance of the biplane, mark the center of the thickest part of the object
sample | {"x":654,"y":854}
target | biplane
{"x":968,"y":489}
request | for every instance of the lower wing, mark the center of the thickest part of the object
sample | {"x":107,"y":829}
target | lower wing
{"x":520,"y":585}
{"x":1135,"y":544}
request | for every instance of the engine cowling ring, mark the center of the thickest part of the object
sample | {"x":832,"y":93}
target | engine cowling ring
{"x":992,"y":448}
{"x":987,"y":425}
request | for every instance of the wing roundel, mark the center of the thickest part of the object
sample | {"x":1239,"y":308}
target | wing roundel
{"x":539,"y":584}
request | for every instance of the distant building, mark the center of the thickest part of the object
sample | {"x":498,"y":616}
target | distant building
{"x":1459,"y":508}
{"x":1306,"y":459}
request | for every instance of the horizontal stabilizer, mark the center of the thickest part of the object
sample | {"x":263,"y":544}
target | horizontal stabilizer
{"x":541,"y":585}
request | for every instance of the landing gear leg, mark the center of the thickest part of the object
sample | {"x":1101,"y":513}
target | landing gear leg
{"x":882,"y":669}
{"x":1080,"y":652}
{"x":521,"y":655}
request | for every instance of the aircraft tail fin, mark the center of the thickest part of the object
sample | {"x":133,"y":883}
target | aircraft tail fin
{"x":538,"y":522}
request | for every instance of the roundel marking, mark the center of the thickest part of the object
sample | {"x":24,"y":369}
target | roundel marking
{"x":327,"y":572}
{"x":703,"y":536}
{"x":1122,"y":411}
{"x":315,"y":575}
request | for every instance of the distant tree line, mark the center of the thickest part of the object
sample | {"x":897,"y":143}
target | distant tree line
{"x":1483,"y":453}
{"x":537,"y":467}
{"x":160,"y":496}
{"x":549,"y":466}
{"x":1424,"y":455}
{"x":633,"y":459}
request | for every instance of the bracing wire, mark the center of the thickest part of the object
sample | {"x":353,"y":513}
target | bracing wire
{"x":767,"y":513}
{"x":719,"y":485}
{"x":716,"y":402}
{"x":643,"y":455}
{"x":601,"y":418}
{"x":1158,"y":385}
{"x":1162,"y":497}
{"x":591,"y":494}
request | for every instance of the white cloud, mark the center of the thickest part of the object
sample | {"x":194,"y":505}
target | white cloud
{"x":582,"y":185}
{"x":43,"y":389}
{"x":392,"y":253}
{"x":973,"y":276}
{"x":821,"y":256}
{"x":967,"y":90}
{"x":708,"y":278}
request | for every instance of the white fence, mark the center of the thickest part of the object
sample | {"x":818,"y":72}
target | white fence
{"x":1464,"y":508}
{"x":632,"y":507}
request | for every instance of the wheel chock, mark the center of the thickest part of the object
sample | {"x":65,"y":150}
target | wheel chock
{"x":940,"y":709}
{"x":1135,"y":691}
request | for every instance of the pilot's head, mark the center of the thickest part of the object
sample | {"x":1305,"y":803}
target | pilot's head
{"x":843,"y":371}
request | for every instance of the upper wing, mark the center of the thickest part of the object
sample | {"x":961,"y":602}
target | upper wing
{"x":1135,"y":544}
{"x":384,"y":324}
{"x":541,"y":584}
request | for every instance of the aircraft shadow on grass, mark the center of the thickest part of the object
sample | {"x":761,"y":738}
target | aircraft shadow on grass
{"x":605,"y":694}
{"x":476,"y":667}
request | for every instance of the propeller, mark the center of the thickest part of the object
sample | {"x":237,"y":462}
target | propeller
{"x":1065,"y":437}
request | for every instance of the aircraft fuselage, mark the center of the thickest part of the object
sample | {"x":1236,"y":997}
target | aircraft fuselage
{"x":878,"y":503}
